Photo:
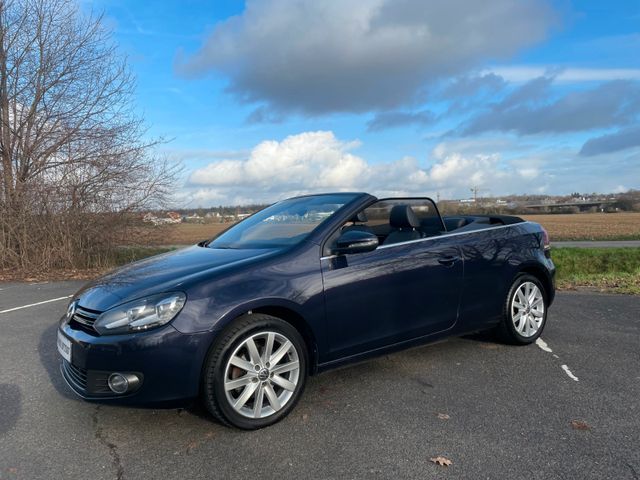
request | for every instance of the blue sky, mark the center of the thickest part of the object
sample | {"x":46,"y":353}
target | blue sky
{"x":260,"y":100}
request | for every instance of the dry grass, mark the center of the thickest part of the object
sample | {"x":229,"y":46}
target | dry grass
{"x":178,"y":234}
{"x":590,"y":226}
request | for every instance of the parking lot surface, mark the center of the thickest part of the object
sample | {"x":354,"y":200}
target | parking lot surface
{"x":568,"y":407}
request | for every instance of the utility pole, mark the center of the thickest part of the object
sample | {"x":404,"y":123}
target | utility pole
{"x":475,"y":189}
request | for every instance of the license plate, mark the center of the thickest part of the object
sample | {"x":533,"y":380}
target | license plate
{"x":64,"y":347}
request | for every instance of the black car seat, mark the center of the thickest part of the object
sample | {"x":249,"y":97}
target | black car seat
{"x":404,"y":224}
{"x":453,"y":223}
{"x":356,"y":223}
{"x":431,"y":226}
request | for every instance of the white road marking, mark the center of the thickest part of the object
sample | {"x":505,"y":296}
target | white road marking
{"x":543,"y":345}
{"x":568,"y":372}
{"x":35,"y":304}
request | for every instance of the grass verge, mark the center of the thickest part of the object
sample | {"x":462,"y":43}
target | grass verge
{"x":614,"y":270}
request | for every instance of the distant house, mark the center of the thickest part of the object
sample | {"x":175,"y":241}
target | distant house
{"x":149,"y":218}
{"x":172,"y":217}
{"x":193,"y":218}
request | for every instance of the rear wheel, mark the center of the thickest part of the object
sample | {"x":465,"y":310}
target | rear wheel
{"x":255,"y":373}
{"x":525,"y":311}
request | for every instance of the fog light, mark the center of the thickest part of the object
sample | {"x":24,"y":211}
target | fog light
{"x":123,"y":382}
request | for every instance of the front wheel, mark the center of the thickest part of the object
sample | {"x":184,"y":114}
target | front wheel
{"x":255,"y":373}
{"x":525,"y":311}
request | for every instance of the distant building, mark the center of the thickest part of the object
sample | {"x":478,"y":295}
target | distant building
{"x":193,"y":218}
{"x":172,"y":217}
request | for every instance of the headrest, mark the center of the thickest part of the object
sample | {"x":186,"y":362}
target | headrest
{"x":359,"y":217}
{"x":403,"y":216}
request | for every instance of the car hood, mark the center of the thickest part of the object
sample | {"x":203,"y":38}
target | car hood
{"x":162,"y":273}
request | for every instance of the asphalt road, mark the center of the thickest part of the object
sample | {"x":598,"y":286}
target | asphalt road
{"x":506,"y":411}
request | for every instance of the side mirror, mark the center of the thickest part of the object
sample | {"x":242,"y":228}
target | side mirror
{"x":355,"y":241}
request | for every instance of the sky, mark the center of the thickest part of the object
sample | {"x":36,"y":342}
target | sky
{"x":265,"y":99}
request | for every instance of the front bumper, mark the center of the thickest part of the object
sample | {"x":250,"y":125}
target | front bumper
{"x":168,"y":362}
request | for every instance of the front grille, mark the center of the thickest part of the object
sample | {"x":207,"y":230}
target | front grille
{"x":83,"y":319}
{"x":76,"y":375}
{"x":87,"y":382}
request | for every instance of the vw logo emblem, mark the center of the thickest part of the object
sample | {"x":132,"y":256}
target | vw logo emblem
{"x":263,"y":374}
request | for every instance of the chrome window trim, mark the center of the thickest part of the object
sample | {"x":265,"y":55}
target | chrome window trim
{"x":445,"y":235}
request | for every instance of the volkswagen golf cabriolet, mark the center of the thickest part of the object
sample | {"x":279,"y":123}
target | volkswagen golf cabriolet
{"x":307,"y":284}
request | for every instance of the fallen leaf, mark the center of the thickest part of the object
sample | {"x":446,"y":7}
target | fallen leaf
{"x":579,"y":425}
{"x":443,"y":416}
{"x":442,"y":461}
{"x":305,"y":417}
{"x":192,"y":446}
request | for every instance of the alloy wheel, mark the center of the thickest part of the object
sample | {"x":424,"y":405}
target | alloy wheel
{"x":527,"y":309}
{"x":262,"y":374}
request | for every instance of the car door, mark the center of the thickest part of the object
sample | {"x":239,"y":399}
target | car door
{"x":394,"y":293}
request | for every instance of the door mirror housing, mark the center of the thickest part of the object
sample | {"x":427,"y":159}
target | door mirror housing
{"x":355,"y":241}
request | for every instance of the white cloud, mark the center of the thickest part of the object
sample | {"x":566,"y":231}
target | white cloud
{"x":529,"y":173}
{"x":525,"y":73}
{"x":310,"y":160}
{"x":319,"y":162}
{"x":313,"y":162}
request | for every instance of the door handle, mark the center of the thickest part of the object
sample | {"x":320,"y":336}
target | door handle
{"x":448,"y":260}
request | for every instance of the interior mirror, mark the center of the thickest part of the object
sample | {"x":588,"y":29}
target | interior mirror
{"x":356,"y":241}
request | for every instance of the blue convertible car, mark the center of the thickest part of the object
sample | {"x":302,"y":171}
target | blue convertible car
{"x":304,"y":285}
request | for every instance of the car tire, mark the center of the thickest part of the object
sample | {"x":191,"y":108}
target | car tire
{"x":524,"y":312}
{"x":255,"y":372}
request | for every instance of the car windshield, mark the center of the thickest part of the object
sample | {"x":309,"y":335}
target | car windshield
{"x":283,"y":224}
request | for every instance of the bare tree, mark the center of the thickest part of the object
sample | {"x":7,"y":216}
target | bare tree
{"x":73,"y":158}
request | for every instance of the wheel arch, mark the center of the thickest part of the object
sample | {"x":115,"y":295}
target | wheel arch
{"x":283,"y":310}
{"x":543,"y":277}
{"x":296,"y":320}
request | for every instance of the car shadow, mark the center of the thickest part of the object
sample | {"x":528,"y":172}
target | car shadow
{"x":11,"y":404}
{"x":484,"y":337}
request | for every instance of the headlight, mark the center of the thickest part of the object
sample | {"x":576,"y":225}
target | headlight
{"x":141,"y":314}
